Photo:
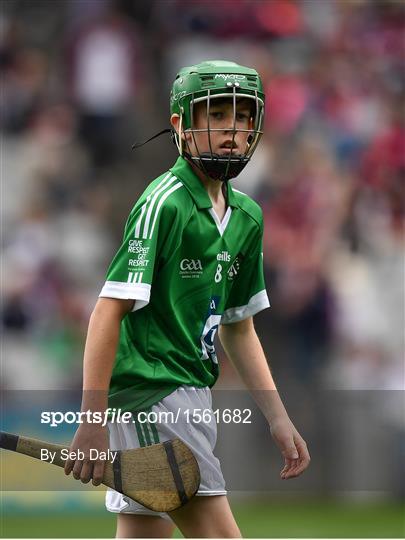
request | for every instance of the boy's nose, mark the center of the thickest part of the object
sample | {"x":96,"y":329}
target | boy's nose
{"x":230,"y":125}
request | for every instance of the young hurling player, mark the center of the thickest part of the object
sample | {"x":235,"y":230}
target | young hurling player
{"x":190,"y":264}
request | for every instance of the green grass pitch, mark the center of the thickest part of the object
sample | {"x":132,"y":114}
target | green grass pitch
{"x":260,"y":519}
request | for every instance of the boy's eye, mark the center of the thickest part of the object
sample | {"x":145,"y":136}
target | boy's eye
{"x":242,"y":116}
{"x":217,"y":115}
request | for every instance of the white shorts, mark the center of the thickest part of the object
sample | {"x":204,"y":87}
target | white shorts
{"x":200,"y":436}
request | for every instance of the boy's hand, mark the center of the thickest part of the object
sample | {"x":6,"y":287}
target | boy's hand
{"x":292,"y":446}
{"x":87,"y":437}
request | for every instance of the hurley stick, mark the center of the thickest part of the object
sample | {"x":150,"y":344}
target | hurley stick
{"x":161,"y":477}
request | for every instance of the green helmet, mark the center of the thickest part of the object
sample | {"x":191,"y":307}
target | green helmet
{"x":208,"y":81}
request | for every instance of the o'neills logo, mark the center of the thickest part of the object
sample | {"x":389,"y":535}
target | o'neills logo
{"x":190,"y":268}
{"x":223,"y":256}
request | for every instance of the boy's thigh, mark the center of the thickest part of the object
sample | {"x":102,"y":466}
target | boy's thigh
{"x":142,"y":526}
{"x":206,"y":517}
{"x":202,"y":517}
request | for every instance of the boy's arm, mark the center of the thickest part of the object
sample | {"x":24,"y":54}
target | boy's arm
{"x":243,"y":348}
{"x":99,"y":356}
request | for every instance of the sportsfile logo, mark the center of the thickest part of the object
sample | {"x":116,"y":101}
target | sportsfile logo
{"x":191,"y":268}
{"x":230,"y":77}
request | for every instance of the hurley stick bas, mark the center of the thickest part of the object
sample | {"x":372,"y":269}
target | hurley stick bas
{"x":161,"y":477}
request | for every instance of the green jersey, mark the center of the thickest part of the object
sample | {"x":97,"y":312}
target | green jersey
{"x":188,"y":272}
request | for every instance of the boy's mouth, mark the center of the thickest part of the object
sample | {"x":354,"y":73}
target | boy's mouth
{"x":228,"y":147}
{"x":227,"y":151}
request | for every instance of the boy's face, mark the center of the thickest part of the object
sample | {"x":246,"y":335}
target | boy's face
{"x":221,"y":118}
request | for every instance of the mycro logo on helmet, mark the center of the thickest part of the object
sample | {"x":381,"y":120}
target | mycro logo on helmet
{"x":232,"y":76}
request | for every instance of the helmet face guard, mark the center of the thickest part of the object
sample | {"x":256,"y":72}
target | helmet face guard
{"x":236,"y":84}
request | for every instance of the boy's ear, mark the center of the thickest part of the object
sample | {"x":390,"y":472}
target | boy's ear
{"x":175,"y":121}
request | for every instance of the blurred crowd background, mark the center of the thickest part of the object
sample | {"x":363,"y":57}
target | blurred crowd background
{"x":83,"y":79}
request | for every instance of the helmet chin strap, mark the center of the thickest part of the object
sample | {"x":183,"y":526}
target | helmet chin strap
{"x":167,"y":130}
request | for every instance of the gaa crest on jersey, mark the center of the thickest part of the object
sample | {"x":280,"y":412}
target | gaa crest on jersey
{"x":191,"y":268}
